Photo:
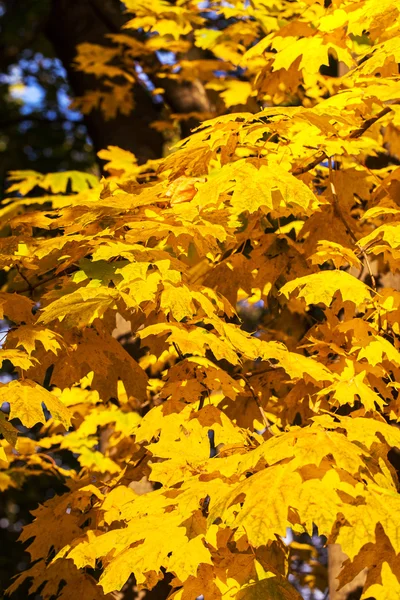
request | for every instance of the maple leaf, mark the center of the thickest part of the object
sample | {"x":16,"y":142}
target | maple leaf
{"x":19,"y":358}
{"x":26,"y":398}
{"x":28,"y":336}
{"x":81,"y":307}
{"x":54,"y":182}
{"x":185,"y":319}
{"x":119,"y":161}
{"x":46,"y":578}
{"x":387,"y":588}
{"x":273,"y":586}
{"x":339,"y":255}
{"x":7,"y":430}
{"x":378,"y":509}
{"x":349,"y":384}
{"x":257,"y":185}
{"x":321,"y":287}
{"x":16,"y":308}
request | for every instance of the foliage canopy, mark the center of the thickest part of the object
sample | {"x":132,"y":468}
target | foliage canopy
{"x":244,"y":427}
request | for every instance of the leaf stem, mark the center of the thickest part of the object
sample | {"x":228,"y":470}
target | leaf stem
{"x":257,"y":401}
{"x":341,"y":216}
{"x":21,"y":274}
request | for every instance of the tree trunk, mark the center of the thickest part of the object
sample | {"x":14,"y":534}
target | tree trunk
{"x":72,"y":22}
{"x":353,"y":589}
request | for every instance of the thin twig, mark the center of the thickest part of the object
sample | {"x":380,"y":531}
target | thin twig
{"x":341,"y":216}
{"x":30,"y":288}
{"x":320,"y":157}
{"x":361,"y":271}
{"x":204,"y":395}
{"x":336,"y":205}
{"x":33,"y":286}
{"x":178,"y":350}
{"x":266,"y":370}
{"x":262,"y":412}
{"x":369,"y":122}
{"x":380,"y":181}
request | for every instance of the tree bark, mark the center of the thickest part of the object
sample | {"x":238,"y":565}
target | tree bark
{"x":67,"y":23}
{"x":72,"y":22}
{"x":351,"y":590}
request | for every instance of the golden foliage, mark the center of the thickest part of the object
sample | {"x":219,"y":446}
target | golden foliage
{"x":248,"y":265}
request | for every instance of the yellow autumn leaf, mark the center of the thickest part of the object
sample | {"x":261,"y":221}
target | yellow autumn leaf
{"x":378,"y":508}
{"x":257,"y":185}
{"x":26,"y":398}
{"x":177,"y":301}
{"x":81,"y":307}
{"x":261,"y":524}
{"x":349,"y":385}
{"x":272,"y":586}
{"x":322,"y":287}
{"x":339,"y":255}
{"x":236,"y":92}
{"x":205,"y":316}
{"x":119,"y":160}
{"x":388,"y":588}
{"x":16,"y":308}
{"x":25,"y":181}
{"x":8,"y":432}
{"x":28,"y":336}
{"x":194,"y":342}
{"x":18,"y":358}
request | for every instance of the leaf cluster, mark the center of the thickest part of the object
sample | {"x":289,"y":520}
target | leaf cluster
{"x":201,"y":436}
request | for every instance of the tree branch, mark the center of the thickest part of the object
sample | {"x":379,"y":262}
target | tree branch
{"x":369,"y":122}
{"x":321,"y":156}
